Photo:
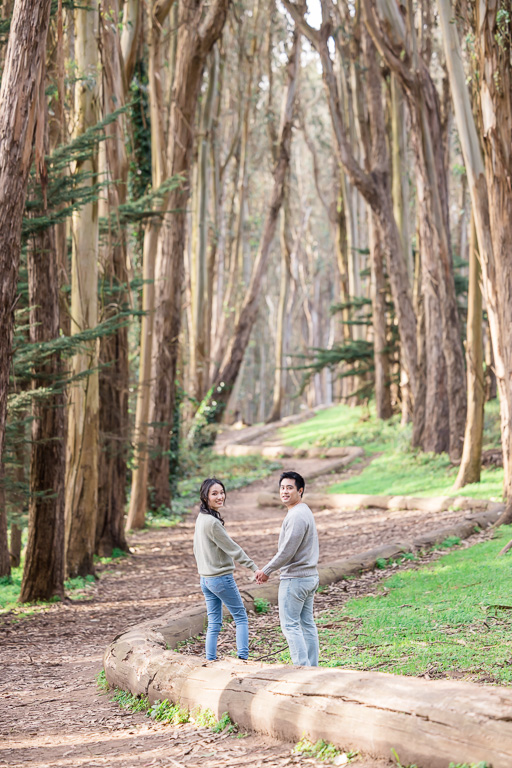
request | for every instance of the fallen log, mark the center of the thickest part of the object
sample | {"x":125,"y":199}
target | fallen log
{"x":430,"y":723}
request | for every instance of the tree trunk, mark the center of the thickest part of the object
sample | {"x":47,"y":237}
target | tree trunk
{"x":200,"y":287}
{"x":401,"y":209}
{"x":375,"y":187}
{"x":43,"y":575}
{"x":114,"y":371}
{"x":19,"y":110}
{"x":286,"y":249}
{"x":387,"y":27}
{"x":380,"y":354}
{"x":196,"y":38}
{"x":132,"y":23}
{"x":82,"y":448}
{"x":489,"y":190}
{"x":234,"y":355}
{"x":5,"y":559}
{"x":139,"y":488}
{"x":470,"y":465}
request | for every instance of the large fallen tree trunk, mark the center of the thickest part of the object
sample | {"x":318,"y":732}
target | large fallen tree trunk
{"x":428,"y":722}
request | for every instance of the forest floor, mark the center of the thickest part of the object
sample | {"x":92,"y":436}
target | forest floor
{"x":52,"y":712}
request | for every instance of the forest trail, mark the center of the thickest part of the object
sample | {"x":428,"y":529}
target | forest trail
{"x":52,"y":711}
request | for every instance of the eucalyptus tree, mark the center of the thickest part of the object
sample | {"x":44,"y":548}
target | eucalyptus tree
{"x":486,"y":148}
{"x":373,"y":184}
{"x":20,"y":94}
{"x":395,"y":37}
{"x":233,"y":357}
{"x":83,"y":413}
{"x":199,"y":27}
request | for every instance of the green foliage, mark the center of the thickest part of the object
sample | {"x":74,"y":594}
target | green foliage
{"x":261,"y":605}
{"x":127,"y":700}
{"x":319,"y":750}
{"x":399,"y":764}
{"x":502,"y":34}
{"x":449,"y":542}
{"x":395,"y":469}
{"x":207,"y":719}
{"x":101,"y":681}
{"x":357,"y":356}
{"x":116,"y":555}
{"x":166,"y":712}
{"x":453,"y":614}
{"x":80,"y":582}
{"x":470,"y":765}
{"x":203,"y":430}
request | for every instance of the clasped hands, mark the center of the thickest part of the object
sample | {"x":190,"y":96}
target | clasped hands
{"x":260,"y":577}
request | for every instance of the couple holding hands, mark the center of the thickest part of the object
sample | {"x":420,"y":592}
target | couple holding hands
{"x":296,"y":558}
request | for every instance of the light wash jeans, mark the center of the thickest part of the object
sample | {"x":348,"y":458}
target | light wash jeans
{"x":296,"y":598}
{"x":218,"y":590}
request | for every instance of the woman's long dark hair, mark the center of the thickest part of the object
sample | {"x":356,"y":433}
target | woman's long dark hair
{"x":203,"y":495}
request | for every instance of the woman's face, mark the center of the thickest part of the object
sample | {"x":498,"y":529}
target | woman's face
{"x":216,"y":497}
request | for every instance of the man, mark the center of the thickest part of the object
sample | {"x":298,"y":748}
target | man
{"x":297,"y":557}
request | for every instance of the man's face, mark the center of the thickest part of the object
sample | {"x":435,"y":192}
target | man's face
{"x":289,"y":493}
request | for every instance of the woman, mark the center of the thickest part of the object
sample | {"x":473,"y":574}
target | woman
{"x":215,"y":553}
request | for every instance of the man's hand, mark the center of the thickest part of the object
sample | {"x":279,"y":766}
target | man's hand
{"x":260,"y":577}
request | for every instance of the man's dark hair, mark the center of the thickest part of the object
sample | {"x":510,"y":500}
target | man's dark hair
{"x":300,"y":483}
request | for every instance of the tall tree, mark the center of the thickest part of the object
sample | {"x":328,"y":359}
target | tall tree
{"x":19,"y":111}
{"x":374,"y":186}
{"x":489,"y":187}
{"x":471,"y":461}
{"x":234,"y":355}
{"x":113,"y":353}
{"x":156,"y":14}
{"x":199,"y":27}
{"x":43,"y":574}
{"x":396,"y":41}
{"x":83,"y":414}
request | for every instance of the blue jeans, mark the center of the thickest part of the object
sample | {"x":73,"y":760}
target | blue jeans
{"x":218,"y":590}
{"x":296,"y":598}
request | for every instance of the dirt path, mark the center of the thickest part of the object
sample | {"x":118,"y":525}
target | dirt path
{"x":51,"y":711}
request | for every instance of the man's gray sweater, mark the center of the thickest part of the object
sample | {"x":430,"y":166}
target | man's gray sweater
{"x":297,"y":553}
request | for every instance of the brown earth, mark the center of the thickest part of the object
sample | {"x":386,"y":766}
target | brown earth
{"x":52,"y":713}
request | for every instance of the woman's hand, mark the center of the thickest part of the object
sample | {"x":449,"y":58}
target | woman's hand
{"x":260,"y":577}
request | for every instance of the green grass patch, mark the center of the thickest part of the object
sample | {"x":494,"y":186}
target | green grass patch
{"x":165,"y":711}
{"x":396,"y":469}
{"x":10,"y":588}
{"x":453,"y":614}
{"x":261,"y":605}
{"x":117,"y":554}
{"x":319,"y":750}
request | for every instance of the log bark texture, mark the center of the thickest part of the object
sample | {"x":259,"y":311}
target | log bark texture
{"x":43,"y":575}
{"x":19,"y":108}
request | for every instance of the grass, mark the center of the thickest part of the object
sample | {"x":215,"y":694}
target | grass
{"x":10,"y":587}
{"x":165,"y":711}
{"x":396,"y":468}
{"x":261,"y":605}
{"x":319,"y":750}
{"x":454,"y":614}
